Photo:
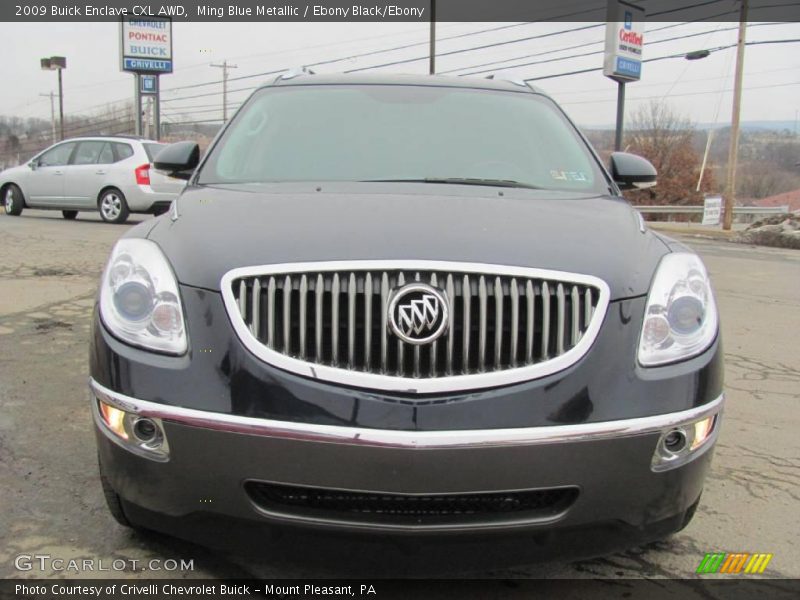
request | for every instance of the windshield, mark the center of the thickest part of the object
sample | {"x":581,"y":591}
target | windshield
{"x":402,"y":133}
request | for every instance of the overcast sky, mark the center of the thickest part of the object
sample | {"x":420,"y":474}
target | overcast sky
{"x":698,"y":89}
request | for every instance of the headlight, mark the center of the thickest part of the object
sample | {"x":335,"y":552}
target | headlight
{"x":680,"y":319}
{"x":139,"y":300}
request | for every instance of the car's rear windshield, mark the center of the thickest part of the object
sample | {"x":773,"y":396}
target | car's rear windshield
{"x":152,"y":150}
{"x":401,"y":133}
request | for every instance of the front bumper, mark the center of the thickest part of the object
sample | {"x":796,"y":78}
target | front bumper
{"x":215,"y":458}
{"x":231,"y":419}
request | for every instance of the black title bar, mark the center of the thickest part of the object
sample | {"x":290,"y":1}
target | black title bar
{"x":390,"y":10}
{"x":734,"y":588}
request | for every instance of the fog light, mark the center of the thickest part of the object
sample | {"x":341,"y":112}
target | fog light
{"x":141,"y":435}
{"x":680,"y":445}
{"x":675,"y":440}
{"x":146,"y":431}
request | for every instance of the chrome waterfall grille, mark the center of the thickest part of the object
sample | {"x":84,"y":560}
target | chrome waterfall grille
{"x":331,"y":321}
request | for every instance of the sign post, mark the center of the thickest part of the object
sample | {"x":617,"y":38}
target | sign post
{"x":146,"y":51}
{"x":623,"y":53}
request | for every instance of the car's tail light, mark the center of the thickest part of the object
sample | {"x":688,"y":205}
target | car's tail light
{"x":143,"y":175}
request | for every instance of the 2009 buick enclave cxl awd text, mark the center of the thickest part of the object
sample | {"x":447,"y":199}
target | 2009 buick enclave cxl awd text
{"x":405,"y":305}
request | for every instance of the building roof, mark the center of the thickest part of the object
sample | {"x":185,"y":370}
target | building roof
{"x":790,"y":199}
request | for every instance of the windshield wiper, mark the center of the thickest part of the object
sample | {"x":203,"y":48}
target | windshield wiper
{"x":509,"y":183}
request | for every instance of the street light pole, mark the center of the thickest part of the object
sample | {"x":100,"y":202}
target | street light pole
{"x":52,"y":97}
{"x":60,"y":106}
{"x":733,"y":153}
{"x":57,"y":63}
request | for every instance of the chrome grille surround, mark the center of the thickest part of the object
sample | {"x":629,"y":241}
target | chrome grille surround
{"x":564,"y":333}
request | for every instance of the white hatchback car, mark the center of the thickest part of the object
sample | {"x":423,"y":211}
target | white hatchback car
{"x":111,"y":174}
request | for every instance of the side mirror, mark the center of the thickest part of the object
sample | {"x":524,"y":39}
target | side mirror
{"x":33,"y":164}
{"x":178,"y":160}
{"x":631,"y":172}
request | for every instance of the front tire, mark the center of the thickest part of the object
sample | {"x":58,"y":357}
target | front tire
{"x":113,"y":206}
{"x":12,"y":200}
{"x":69,"y":215}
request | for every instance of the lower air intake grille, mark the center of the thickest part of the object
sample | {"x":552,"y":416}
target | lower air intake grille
{"x":397,"y":508}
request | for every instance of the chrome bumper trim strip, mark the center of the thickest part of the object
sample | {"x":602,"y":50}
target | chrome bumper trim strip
{"x":384,"y":438}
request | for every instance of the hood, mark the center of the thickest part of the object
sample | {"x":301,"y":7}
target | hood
{"x":10,"y":173}
{"x":222,"y":228}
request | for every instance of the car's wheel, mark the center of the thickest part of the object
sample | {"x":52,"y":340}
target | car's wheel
{"x":113,"y":501}
{"x":12,"y":200}
{"x":69,"y":215}
{"x":113,"y":206}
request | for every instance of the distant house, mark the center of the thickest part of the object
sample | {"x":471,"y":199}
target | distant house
{"x":790,"y":199}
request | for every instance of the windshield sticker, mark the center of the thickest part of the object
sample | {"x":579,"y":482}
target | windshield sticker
{"x":569,"y":175}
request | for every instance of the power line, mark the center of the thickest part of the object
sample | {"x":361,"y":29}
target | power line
{"x":680,"y":55}
{"x":595,"y":52}
{"x":515,"y":41}
{"x":350,"y":57}
{"x":583,"y":45}
{"x":592,"y":53}
{"x":473,"y":48}
{"x":393,"y":49}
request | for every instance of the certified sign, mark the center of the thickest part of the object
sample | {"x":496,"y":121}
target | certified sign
{"x":624,"y":41}
{"x":146,"y":45}
{"x":712,"y":210}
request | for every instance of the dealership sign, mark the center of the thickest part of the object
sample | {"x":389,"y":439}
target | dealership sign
{"x":146,"y":45}
{"x":624,"y":41}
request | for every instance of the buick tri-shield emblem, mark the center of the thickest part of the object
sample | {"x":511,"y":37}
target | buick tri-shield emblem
{"x":418,"y":313}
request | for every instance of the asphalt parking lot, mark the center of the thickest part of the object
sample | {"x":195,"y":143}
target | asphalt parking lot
{"x":51,"y":498}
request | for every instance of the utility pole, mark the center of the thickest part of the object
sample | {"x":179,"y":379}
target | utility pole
{"x":733,"y":153}
{"x":432,"y":58}
{"x":225,"y":66}
{"x":52,"y":97}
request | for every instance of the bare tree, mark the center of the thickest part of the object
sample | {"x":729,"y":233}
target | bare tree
{"x":666,"y":139}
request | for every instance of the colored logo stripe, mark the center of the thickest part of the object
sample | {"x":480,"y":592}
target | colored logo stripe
{"x":758,"y":563}
{"x":734,"y":562}
{"x":721,"y":562}
{"x":711,"y":562}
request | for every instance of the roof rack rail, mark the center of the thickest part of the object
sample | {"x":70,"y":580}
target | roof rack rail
{"x":516,"y":81}
{"x":294,"y":72}
{"x":124,"y":135}
{"x":502,"y":76}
